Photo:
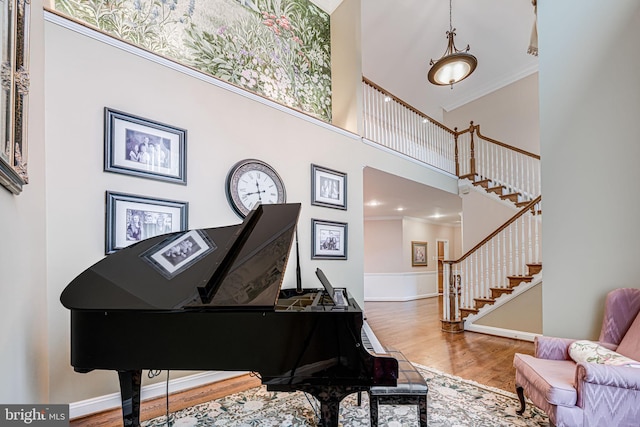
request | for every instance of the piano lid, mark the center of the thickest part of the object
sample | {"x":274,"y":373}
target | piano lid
{"x":241,"y":266}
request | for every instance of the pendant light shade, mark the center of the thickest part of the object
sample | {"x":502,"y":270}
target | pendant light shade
{"x":455,"y":65}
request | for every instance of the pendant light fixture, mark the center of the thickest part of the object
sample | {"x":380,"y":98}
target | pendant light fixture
{"x":455,"y":65}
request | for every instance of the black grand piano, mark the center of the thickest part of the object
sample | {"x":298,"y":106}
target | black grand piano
{"x":211,"y":299}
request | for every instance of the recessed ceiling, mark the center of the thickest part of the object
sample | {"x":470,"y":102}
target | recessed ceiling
{"x":390,"y":196}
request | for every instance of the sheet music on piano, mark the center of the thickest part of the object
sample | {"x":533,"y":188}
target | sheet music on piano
{"x":337,"y":295}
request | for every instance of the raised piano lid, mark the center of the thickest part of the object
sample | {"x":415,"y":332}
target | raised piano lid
{"x":165,"y":272}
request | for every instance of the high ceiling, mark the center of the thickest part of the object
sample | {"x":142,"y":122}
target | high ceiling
{"x":400,"y":37}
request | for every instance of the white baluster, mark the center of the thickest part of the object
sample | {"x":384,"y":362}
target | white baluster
{"x":493,"y":261}
{"x":516,"y":248}
{"x":523,"y":245}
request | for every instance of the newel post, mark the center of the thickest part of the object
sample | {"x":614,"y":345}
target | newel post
{"x":472,"y":160}
{"x":455,"y":136}
{"x":451,"y":321}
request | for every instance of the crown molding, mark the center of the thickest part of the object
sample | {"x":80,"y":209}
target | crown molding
{"x":491,"y":87}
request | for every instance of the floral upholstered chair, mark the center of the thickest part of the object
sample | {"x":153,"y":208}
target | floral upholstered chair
{"x":588,"y":384}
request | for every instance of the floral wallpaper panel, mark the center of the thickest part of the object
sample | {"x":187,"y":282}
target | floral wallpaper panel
{"x":279,"y":49}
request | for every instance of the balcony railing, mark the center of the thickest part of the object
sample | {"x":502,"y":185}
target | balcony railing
{"x":392,"y":123}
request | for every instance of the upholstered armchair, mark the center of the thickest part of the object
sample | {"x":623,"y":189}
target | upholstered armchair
{"x":588,"y":393}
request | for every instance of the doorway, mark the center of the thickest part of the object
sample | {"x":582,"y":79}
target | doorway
{"x":443,"y":253}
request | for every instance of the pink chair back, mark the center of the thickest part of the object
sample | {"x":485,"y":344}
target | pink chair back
{"x":621,"y":308}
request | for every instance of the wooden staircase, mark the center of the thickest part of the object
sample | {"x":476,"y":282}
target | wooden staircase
{"x":518,"y":199}
{"x":496,"y":292}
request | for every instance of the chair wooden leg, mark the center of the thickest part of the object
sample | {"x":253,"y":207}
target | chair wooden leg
{"x":520,"y":392}
{"x":359,"y":398}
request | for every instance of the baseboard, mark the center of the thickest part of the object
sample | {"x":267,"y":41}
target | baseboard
{"x":151,"y":391}
{"x":500,"y":332}
{"x":400,"y":299}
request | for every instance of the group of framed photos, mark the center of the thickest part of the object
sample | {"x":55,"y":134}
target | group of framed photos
{"x":140,"y":147}
{"x":149,"y":149}
{"x":329,"y":190}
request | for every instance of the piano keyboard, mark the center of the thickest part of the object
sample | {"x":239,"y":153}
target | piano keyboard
{"x":369,"y":339}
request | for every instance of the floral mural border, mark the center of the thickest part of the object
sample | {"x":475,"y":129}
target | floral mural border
{"x":279,"y":49}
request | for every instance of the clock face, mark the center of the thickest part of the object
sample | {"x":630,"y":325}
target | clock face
{"x":251,"y":182}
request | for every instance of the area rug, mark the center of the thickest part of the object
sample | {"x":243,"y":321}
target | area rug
{"x":452,"y":402}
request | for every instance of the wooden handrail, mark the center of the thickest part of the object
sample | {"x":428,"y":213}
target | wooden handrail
{"x":404,"y":104}
{"x":530,"y":205}
{"x":502,"y":144}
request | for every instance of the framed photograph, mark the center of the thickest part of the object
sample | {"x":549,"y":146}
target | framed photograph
{"x":177,"y":253}
{"x":131,"y":219}
{"x":141,"y":147}
{"x":328,"y":188}
{"x":418,"y":254}
{"x":329,"y":239}
{"x":14,"y":93}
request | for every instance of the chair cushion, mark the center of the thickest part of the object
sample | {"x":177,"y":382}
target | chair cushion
{"x":584,"y":351}
{"x":554,"y":379}
{"x":410,"y":381}
{"x":630,"y":344}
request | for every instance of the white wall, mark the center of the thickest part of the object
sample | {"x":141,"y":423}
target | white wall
{"x":389,"y":275}
{"x":589,"y":108}
{"x":84,"y":75}
{"x":23,"y":282}
{"x":482,"y":214}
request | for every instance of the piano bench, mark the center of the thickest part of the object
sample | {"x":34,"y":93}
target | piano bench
{"x":411,"y":390}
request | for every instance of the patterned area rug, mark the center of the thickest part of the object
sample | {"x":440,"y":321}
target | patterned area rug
{"x":452,"y":402}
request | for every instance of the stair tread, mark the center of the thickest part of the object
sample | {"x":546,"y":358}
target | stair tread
{"x":482,"y":183}
{"x":484,"y":299}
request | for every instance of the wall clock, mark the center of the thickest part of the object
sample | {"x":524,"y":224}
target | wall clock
{"x":252,"y":181}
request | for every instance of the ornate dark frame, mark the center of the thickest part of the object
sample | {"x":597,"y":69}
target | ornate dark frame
{"x":14,"y":52}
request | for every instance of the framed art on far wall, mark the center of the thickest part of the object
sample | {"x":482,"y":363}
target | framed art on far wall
{"x":329,"y":239}
{"x":328,"y":188}
{"x":131,"y":219}
{"x":418,"y":254}
{"x":141,"y":147}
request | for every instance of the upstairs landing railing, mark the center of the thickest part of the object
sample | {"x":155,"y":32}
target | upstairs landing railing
{"x":394,"y":124}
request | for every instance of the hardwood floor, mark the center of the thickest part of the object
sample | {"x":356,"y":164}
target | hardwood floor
{"x":413,"y":327}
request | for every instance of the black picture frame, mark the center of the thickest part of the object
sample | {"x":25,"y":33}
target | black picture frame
{"x":329,"y":239}
{"x":154,"y":217}
{"x":328,"y":188}
{"x":141,"y":147}
{"x":178,"y":252}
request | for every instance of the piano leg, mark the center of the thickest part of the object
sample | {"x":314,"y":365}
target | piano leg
{"x":330,"y":398}
{"x":130,"y":393}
